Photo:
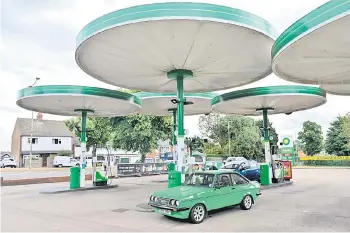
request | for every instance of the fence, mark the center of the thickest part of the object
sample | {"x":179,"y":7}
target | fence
{"x":141,"y":169}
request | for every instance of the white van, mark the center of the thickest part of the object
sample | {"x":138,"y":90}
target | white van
{"x":65,"y":161}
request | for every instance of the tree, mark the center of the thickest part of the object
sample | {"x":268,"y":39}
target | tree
{"x":140,"y":132}
{"x":244,"y":134}
{"x":98,"y":131}
{"x":336,"y":139}
{"x":272,"y":131}
{"x":207,"y":123}
{"x":194,"y":143}
{"x":312,"y":137}
{"x":346,"y":127}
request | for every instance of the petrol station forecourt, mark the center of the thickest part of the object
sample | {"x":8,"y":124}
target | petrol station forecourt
{"x":269,"y":100}
{"x":315,"y":49}
{"x":185,"y":47}
{"x":83,"y":101}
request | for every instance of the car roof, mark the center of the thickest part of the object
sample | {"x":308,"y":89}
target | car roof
{"x":214,"y":172}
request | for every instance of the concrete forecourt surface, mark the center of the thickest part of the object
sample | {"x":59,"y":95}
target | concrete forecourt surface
{"x":319,"y":200}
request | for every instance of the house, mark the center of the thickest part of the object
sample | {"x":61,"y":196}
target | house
{"x":49,"y":138}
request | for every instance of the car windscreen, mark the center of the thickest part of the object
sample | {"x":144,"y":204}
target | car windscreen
{"x":200,"y":180}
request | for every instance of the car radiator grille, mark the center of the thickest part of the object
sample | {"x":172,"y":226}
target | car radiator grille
{"x":163,"y":201}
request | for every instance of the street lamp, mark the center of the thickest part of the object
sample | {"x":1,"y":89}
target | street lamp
{"x":31,"y":130}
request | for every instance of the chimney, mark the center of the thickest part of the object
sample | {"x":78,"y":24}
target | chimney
{"x":39,"y":117}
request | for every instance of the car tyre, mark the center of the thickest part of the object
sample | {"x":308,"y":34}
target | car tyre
{"x":246,"y":203}
{"x":198,"y":213}
{"x":60,"y":165}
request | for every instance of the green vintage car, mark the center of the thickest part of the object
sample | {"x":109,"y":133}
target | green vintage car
{"x":205,"y":191}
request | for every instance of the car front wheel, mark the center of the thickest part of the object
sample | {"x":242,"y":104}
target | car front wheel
{"x":198,"y":213}
{"x":246,"y":203}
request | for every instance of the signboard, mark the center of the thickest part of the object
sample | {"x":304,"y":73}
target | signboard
{"x":287,"y":169}
{"x":142,"y":169}
{"x":286,"y":141}
{"x":324,"y":158}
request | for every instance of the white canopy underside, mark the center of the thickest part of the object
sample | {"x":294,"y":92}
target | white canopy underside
{"x":280,"y":104}
{"x":65,"y":105}
{"x":159,"y":106}
{"x":337,"y":89}
{"x":320,"y":57}
{"x":139,"y":55}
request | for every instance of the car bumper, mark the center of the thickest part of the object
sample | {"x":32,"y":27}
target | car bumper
{"x":181,"y":213}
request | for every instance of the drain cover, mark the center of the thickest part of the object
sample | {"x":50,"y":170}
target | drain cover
{"x":120,"y":210}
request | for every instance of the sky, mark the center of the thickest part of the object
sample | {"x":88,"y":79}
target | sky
{"x":38,"y":40}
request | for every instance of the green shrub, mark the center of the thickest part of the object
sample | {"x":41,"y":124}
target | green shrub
{"x":338,"y":163}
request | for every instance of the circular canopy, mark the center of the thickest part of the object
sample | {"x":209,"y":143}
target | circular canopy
{"x":70,"y":100}
{"x":277,"y":99}
{"x":315,"y":49}
{"x":337,"y":89}
{"x":159,"y":104}
{"x":136,"y":47}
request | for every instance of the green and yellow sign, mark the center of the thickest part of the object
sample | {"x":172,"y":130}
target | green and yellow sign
{"x":308,"y":158}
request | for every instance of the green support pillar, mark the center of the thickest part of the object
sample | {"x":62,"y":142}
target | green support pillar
{"x":267,"y":140}
{"x":179,"y":76}
{"x":83,"y":145}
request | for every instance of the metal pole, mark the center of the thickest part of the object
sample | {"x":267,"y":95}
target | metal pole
{"x":229,"y":138}
{"x":31,"y":130}
{"x":31,"y":141}
{"x":181,"y":130}
{"x":83,"y":148}
{"x":267,"y":141}
{"x":174,"y":112}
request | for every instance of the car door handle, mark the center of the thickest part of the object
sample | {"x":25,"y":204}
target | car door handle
{"x":233,"y":188}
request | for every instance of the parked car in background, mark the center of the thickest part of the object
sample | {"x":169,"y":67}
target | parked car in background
{"x":205,"y":191}
{"x":65,"y":161}
{"x":249,"y":168}
{"x":8,"y":162}
{"x":234,"y":159}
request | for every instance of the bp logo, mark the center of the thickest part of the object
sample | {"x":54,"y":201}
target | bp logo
{"x":286,"y":141}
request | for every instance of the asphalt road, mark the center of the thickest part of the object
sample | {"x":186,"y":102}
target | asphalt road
{"x":319,"y":200}
{"x":15,"y":174}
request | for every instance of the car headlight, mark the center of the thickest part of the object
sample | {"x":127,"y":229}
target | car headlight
{"x":177,"y":203}
{"x":155,"y":199}
{"x":172,"y":202}
{"x":151,"y":198}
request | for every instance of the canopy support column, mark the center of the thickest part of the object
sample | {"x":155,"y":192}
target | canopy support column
{"x":179,"y":75}
{"x":268,"y":159}
{"x":83,"y":145}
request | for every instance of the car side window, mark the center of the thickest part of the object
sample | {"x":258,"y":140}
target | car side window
{"x":237,"y":179}
{"x":223,"y":180}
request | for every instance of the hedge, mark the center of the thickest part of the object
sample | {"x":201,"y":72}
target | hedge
{"x":338,"y":163}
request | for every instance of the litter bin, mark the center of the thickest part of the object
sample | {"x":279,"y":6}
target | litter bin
{"x":174,"y":177}
{"x":74,"y":178}
{"x":264,"y":174}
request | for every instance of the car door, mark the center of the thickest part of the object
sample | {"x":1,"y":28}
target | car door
{"x":243,"y":169}
{"x":240,"y":188}
{"x":223,"y":191}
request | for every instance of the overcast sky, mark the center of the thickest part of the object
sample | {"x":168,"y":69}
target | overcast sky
{"x":38,"y":40}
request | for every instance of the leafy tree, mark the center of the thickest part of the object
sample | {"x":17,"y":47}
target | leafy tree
{"x":272,"y":131}
{"x":194,"y":143}
{"x":211,"y":149}
{"x":336,"y":140}
{"x":346,"y":127}
{"x":312,"y":138}
{"x":140,"y":132}
{"x":98,"y":131}
{"x":207,"y":123}
{"x":244,"y":134}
